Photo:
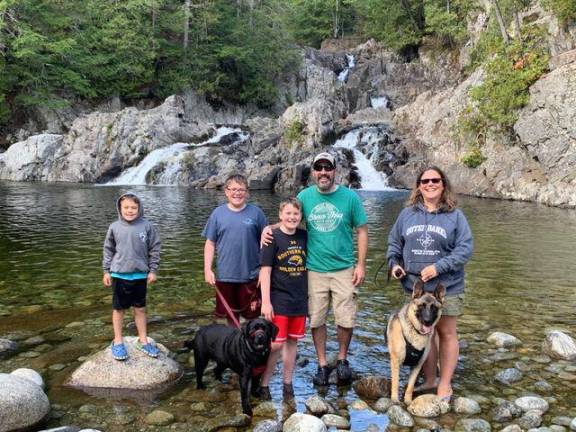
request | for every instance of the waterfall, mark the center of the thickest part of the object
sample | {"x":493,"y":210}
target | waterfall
{"x":171,"y":157}
{"x":343,"y":76}
{"x":379,"y":102}
{"x":370,"y":178}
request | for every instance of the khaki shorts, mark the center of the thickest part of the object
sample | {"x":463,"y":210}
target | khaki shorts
{"x":335,"y":287}
{"x":453,"y":304}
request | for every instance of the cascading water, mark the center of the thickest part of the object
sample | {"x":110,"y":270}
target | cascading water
{"x":370,"y":178}
{"x":171,"y":157}
{"x":343,"y":76}
{"x":379,"y":102}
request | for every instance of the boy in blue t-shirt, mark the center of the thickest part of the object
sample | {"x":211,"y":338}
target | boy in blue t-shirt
{"x":233,"y":234}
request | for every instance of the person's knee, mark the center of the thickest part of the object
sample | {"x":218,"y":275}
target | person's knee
{"x":139,"y":311}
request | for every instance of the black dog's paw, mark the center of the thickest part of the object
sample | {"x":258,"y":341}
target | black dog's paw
{"x":189,"y":344}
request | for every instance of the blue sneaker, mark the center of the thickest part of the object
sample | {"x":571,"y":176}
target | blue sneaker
{"x":148,"y":349}
{"x":119,"y":351}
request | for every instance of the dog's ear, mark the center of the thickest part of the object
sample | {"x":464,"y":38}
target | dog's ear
{"x":418,"y":289}
{"x":245,"y":329}
{"x":440,"y":293}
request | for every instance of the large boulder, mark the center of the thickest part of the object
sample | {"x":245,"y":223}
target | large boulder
{"x":139,"y":372}
{"x":22,"y":403}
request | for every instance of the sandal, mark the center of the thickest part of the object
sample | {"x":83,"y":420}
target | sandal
{"x":148,"y":349}
{"x":119,"y":351}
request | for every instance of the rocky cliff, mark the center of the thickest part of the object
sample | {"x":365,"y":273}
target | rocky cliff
{"x":403,"y":114}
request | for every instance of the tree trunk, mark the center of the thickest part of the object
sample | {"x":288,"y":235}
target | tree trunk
{"x":505,"y":36}
{"x":186,"y":25}
{"x":517,"y":32}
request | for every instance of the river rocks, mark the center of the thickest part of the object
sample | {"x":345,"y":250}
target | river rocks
{"x":559,"y":345}
{"x":400,"y":417}
{"x":139,"y":372}
{"x":30,"y":375}
{"x":509,"y":376}
{"x":505,"y":411}
{"x":7,"y":346}
{"x":372,"y":387}
{"x":530,"y":420}
{"x":332,"y":420}
{"x":428,"y":405}
{"x":268,"y":426}
{"x":159,"y":418}
{"x":503,"y":340}
{"x":319,"y":406}
{"x":383,"y":404}
{"x":472,"y":425}
{"x":528,"y":403}
{"x":511,"y":428}
{"x":573,"y":424}
{"x":22,"y":403}
{"x":466,"y":406}
{"x":299,"y":422}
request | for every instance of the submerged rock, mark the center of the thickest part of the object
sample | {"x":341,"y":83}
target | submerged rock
{"x":428,"y":405}
{"x":139,"y":372}
{"x":472,"y":425}
{"x":529,"y":403}
{"x":503,"y":340}
{"x":22,"y":403}
{"x":399,"y":416}
{"x":372,"y":387}
{"x":559,"y":345}
{"x":509,"y":376}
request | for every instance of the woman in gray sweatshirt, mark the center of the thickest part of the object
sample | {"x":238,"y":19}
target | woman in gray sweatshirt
{"x":431,"y":240}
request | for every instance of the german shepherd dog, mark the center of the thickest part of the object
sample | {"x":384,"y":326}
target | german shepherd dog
{"x":409,"y":335}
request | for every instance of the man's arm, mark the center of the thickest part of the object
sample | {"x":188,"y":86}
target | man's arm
{"x":209,"y":251}
{"x":360,"y":269}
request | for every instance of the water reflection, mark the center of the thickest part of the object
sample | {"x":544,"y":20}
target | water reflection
{"x":521,"y":279}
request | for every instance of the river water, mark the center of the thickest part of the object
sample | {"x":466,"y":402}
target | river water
{"x":521,"y":280}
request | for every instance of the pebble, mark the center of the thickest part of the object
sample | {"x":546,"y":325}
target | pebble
{"x":159,"y":418}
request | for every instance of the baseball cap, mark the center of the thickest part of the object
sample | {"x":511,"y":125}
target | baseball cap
{"x":324,"y":156}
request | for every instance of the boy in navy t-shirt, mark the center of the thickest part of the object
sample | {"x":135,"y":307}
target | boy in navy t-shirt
{"x":284,"y":285}
{"x":233,"y":234}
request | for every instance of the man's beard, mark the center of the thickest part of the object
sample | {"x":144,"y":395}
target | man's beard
{"x":325,"y":187}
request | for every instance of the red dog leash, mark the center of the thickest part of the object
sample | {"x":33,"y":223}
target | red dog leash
{"x":227,"y":307}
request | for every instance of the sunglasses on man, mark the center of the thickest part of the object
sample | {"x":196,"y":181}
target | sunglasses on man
{"x":323,"y":167}
{"x":430,"y":180}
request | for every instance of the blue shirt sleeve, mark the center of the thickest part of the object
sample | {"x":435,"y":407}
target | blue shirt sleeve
{"x":211,"y":229}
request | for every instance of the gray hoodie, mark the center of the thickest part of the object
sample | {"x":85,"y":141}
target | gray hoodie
{"x":131,"y":247}
{"x":420,"y":238}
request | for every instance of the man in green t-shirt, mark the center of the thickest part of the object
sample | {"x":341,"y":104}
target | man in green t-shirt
{"x":332,"y":214}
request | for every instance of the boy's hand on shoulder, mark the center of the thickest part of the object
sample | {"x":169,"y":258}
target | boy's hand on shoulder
{"x":152,"y":278}
{"x":209,"y":277}
{"x":107,"y":279}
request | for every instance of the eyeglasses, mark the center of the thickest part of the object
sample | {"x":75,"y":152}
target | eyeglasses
{"x":435,"y":180}
{"x":235,"y":190}
{"x":325,"y":167}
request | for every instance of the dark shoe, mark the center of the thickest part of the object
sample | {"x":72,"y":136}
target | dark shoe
{"x":263,"y":393}
{"x":322,"y":375}
{"x":343,"y":371}
{"x":287,"y":391}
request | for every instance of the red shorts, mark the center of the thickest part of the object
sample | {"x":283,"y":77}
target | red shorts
{"x":289,"y":327}
{"x":242,"y":297}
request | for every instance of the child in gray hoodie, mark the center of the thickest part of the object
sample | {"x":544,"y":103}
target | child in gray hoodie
{"x":131,"y":258}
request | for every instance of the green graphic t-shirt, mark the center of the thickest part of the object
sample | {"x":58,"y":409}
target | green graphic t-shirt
{"x":330,"y":220}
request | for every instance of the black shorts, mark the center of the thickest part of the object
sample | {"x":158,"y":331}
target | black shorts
{"x":128,"y":293}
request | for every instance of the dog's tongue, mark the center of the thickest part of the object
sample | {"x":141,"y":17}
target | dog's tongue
{"x":426,"y":329}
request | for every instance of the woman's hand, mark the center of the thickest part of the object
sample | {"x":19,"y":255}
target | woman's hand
{"x":398,"y":272}
{"x":428,"y":273}
{"x":268,"y":311}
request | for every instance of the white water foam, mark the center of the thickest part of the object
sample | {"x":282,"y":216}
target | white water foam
{"x":370,"y":178}
{"x":171,"y":156}
{"x":379,"y":102}
{"x":343,"y":76}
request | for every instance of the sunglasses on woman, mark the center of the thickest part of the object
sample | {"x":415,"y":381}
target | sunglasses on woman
{"x":435,"y":180}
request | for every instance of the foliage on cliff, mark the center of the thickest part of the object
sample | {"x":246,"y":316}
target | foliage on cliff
{"x":52,"y":51}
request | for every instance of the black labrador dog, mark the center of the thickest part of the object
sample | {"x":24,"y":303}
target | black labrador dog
{"x":240,"y":350}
